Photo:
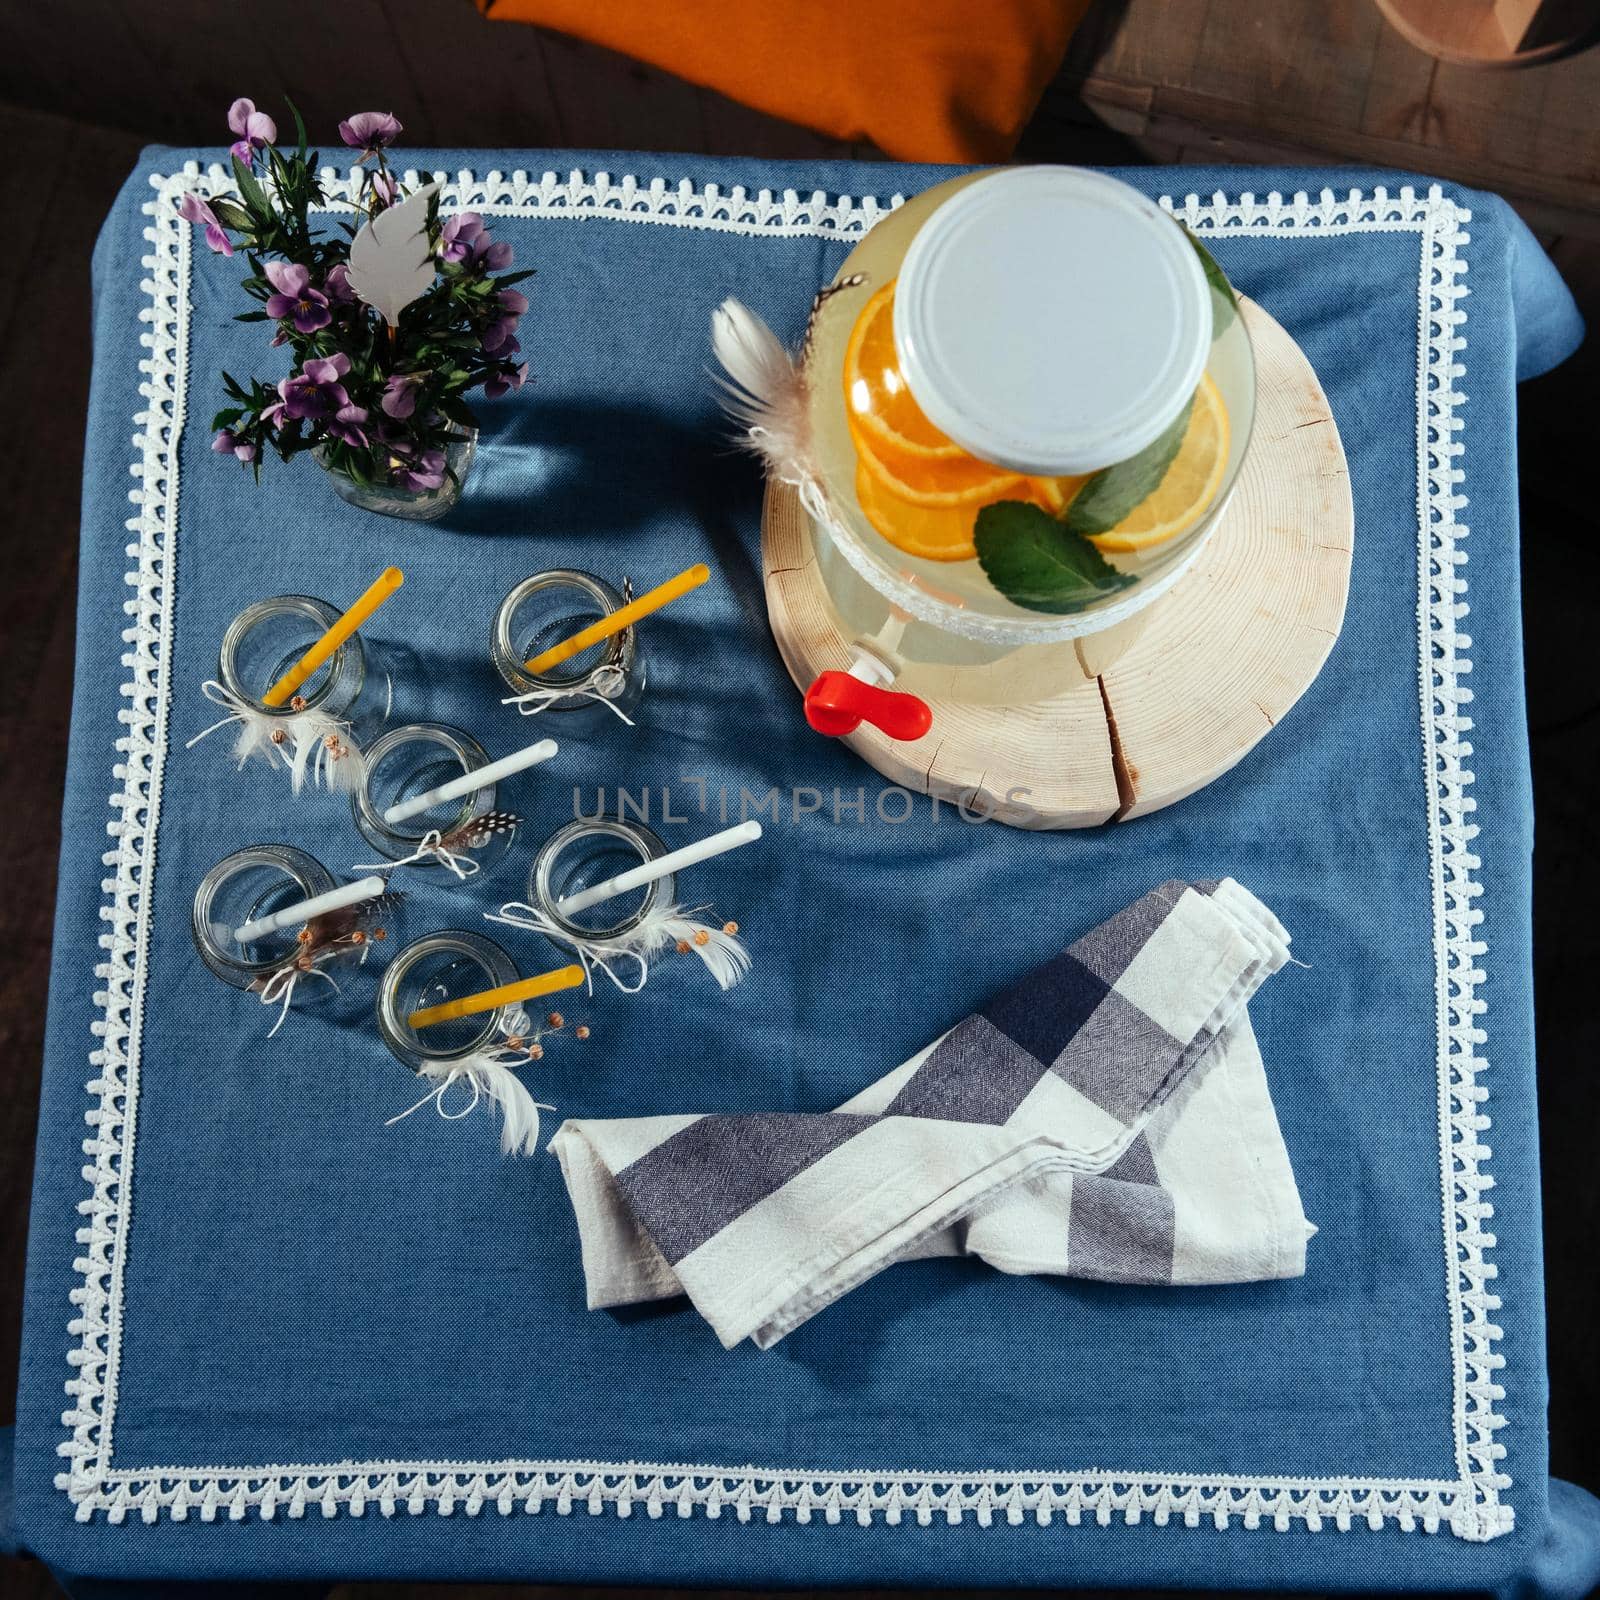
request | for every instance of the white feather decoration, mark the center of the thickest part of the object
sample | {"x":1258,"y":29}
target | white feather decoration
{"x":764,"y":391}
{"x":391,"y":261}
{"x":308,"y":744}
{"x":725,"y":957}
{"x":490,"y":1078}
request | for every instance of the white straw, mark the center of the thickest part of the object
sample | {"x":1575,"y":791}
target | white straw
{"x":674,"y":861}
{"x":304,"y":910}
{"x":471,"y":782}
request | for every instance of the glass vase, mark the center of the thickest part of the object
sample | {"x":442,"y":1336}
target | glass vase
{"x":413,"y":505}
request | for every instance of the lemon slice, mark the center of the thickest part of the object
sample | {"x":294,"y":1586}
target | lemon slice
{"x":1191,"y":483}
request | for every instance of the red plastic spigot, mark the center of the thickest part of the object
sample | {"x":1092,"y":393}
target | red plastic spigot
{"x":837,"y":703}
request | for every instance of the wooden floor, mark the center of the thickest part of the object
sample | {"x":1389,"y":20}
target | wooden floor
{"x":83,"y":83}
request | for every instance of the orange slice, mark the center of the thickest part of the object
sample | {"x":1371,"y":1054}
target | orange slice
{"x":910,"y":457}
{"x":938,"y":533}
{"x":960,"y":481}
{"x":875,"y":391}
{"x":1055,"y":494}
{"x":934,"y":532}
{"x":1185,"y":494}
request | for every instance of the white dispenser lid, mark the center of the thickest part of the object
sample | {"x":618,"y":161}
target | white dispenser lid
{"x":1051,"y":319}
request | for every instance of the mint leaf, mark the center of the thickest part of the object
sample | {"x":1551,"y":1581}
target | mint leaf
{"x":1224,"y":302}
{"x":1039,"y":563}
{"x":1114,"y":491}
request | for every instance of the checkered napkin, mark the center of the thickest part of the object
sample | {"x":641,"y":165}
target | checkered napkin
{"x":1108,"y":1117}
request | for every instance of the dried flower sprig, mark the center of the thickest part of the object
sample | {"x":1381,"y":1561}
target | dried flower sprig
{"x":382,"y":404}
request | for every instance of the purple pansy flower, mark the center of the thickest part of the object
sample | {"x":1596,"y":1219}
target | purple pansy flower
{"x":495,"y":254}
{"x":193,"y":209}
{"x":315,"y":391}
{"x":400,"y":394}
{"x":457,"y":234}
{"x":499,"y":383}
{"x":370,"y":131}
{"x":346,"y":425}
{"x":254,"y":128}
{"x":385,"y":187}
{"x":227,"y":443}
{"x":296,"y":299}
{"x":513,"y":302}
{"x":499,"y":336}
{"x":337,"y":285}
{"x":426,"y":472}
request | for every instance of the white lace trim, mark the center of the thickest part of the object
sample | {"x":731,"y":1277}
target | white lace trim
{"x":1470,"y":1504}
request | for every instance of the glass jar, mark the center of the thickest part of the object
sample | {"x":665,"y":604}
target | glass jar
{"x":586,"y":852}
{"x":391,"y":499}
{"x":250,"y":884}
{"x":548,"y":608}
{"x":1030,"y":395}
{"x":268,"y":638}
{"x":407,"y":762}
{"x":431,"y":970}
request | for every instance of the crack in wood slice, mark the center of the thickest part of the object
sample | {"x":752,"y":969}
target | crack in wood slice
{"x":1125,"y":776}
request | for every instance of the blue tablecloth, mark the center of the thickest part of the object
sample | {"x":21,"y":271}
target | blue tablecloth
{"x":291,"y":1341}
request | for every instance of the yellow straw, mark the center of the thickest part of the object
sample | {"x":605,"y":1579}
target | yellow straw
{"x":622,"y":617}
{"x":391,"y":580}
{"x":507,"y":994}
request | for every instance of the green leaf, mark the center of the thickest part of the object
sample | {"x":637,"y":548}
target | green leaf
{"x":1224,"y":302}
{"x":251,"y":316}
{"x":1039,"y":563}
{"x":231,"y":215}
{"x":226,"y":419}
{"x":1114,"y":491}
{"x":455,"y":410}
{"x":299,"y":124}
{"x":254,"y":195}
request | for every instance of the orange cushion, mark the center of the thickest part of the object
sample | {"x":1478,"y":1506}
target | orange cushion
{"x":923,"y":80}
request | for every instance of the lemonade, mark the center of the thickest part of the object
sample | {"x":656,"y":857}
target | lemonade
{"x":1030,"y":393}
{"x":922,"y":491}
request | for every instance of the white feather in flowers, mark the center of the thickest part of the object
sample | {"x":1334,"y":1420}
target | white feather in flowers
{"x":391,"y":259}
{"x":307,"y":743}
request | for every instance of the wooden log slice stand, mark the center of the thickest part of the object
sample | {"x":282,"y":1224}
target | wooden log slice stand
{"x":1221,"y":658}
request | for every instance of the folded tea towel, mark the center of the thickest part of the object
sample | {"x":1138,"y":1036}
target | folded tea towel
{"x":1107,"y":1117}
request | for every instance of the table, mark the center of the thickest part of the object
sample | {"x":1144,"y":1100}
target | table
{"x":293,"y":1343}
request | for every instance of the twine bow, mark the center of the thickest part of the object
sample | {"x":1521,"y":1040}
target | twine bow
{"x":280,"y":985}
{"x":608,"y":682}
{"x":725,"y":958}
{"x":430,"y":846}
{"x":590,"y":953}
